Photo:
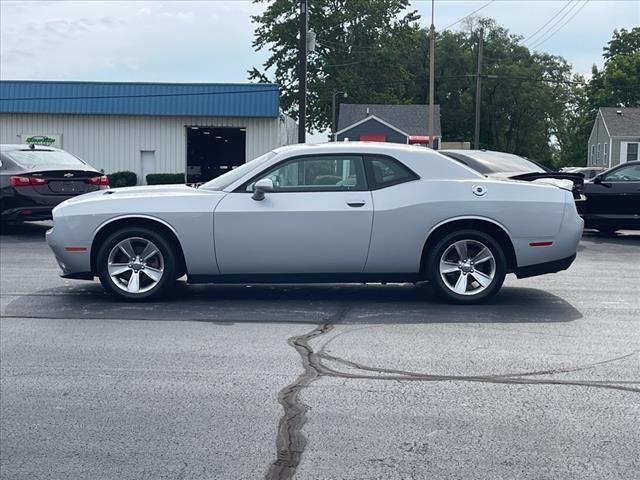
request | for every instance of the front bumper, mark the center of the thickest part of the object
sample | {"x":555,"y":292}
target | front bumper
{"x":72,"y":260}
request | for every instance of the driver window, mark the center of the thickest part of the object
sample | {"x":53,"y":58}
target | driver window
{"x":322,"y":173}
{"x":629,"y":173}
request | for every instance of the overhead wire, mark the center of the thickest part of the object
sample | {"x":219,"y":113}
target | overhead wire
{"x":561,"y":26}
{"x":554,"y":17}
{"x":468,"y":15}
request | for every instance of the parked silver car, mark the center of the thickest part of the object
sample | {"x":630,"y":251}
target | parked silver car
{"x":338,"y":212}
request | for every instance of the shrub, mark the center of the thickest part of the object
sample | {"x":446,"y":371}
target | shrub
{"x":165,"y":178}
{"x":123,"y":179}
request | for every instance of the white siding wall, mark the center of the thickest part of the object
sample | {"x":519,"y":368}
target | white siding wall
{"x":114,"y":142}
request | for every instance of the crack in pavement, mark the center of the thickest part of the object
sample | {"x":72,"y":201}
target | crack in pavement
{"x":291,"y":442}
{"x":392,"y":374}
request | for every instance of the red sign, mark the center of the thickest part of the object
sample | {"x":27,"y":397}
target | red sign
{"x":372,"y":137}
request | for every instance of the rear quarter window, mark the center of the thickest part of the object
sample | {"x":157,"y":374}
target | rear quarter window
{"x":384,"y":172}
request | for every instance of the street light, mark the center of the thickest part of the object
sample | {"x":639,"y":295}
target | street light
{"x":333,"y":111}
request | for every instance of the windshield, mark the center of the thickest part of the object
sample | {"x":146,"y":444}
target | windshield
{"x":223,"y":181}
{"x":43,"y":158}
{"x":497,"y":162}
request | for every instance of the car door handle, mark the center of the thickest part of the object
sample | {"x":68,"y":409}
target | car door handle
{"x":356,"y":203}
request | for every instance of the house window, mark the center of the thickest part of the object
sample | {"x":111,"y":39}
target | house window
{"x":606,"y":153}
{"x":598,"y":156}
{"x":593,"y":154}
{"x":632,"y":152}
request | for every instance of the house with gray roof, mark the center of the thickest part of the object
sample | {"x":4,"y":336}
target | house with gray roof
{"x":615,"y":137}
{"x":387,"y":123}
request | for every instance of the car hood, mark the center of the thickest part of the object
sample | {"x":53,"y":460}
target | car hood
{"x":132,"y":194}
{"x":146,"y":191}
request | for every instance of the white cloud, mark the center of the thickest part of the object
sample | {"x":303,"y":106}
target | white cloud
{"x":128,"y":41}
{"x":210,"y":41}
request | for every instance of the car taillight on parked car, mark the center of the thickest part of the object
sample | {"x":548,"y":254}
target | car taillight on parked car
{"x":103,"y":180}
{"x":578,"y":190}
{"x":17,"y":181}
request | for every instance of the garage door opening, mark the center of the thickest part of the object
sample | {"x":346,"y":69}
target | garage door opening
{"x":213,"y":151}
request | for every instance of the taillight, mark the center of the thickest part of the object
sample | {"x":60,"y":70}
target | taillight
{"x":578,"y":189}
{"x":17,"y":181}
{"x":103,"y":180}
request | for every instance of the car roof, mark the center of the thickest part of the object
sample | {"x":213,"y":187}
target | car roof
{"x":463,"y":151}
{"x":632,"y":162}
{"x":8,"y":147}
{"x":330,"y":147}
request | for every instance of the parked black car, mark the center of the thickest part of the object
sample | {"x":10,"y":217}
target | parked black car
{"x":35,"y":179}
{"x":613,"y":199}
{"x":588,"y":172}
{"x":508,"y":165}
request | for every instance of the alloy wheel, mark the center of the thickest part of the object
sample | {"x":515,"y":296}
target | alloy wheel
{"x":467,"y":267}
{"x":135,"y":265}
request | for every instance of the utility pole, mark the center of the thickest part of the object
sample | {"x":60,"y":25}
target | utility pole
{"x":333,"y":112}
{"x":476,"y":137}
{"x":302,"y":72}
{"x":432,"y":48}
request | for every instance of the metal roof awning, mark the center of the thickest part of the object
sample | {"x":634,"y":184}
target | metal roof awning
{"x":121,"y":98}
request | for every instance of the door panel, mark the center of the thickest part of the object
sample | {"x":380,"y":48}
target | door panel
{"x":617,"y":198}
{"x":293,"y":232}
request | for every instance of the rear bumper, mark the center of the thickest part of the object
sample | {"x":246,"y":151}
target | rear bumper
{"x":25,"y":214}
{"x":616,"y":221}
{"x":543,"y":268}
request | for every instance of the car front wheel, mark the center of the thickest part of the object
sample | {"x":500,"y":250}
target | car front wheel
{"x":467,"y":267}
{"x":136,"y":264}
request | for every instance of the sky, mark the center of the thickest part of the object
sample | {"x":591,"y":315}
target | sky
{"x":210,"y":41}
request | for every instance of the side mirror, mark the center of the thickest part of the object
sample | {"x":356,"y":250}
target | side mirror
{"x":260,"y":187}
{"x":599,"y":181}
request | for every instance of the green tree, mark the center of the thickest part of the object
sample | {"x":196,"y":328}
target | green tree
{"x":616,"y":84}
{"x":524,"y":94}
{"x":359,"y":50}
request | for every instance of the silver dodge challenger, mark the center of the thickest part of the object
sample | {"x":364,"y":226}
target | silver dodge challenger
{"x":330,"y":213}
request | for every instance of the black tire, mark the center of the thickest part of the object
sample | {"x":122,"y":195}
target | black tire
{"x":477,"y":238}
{"x":168,"y":258}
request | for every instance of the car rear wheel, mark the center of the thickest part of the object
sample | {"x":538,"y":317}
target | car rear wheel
{"x":136,"y":264}
{"x":467,"y":267}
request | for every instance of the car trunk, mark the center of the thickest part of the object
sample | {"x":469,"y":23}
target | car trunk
{"x":65,"y":182}
{"x":576,"y":179}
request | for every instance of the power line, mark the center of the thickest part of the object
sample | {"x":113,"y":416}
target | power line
{"x":555,"y":16}
{"x":98,"y":97}
{"x":558,"y":20}
{"x":467,"y":16}
{"x":561,"y":26}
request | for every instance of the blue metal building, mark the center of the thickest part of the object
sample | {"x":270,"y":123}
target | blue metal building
{"x":200,"y":129}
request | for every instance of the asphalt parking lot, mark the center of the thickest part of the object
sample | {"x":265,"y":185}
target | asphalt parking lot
{"x":321,"y":382}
